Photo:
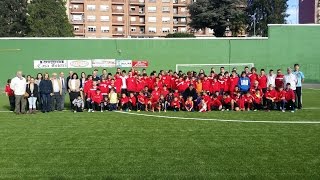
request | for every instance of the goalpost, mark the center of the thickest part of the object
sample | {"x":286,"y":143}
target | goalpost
{"x":207,"y":67}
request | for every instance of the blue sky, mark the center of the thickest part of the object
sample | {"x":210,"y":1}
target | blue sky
{"x":293,"y":9}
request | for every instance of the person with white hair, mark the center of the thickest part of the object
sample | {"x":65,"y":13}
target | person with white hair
{"x":291,"y":79}
{"x":18,"y":85}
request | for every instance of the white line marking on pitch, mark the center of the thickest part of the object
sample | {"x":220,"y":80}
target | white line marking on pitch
{"x":222,"y":120}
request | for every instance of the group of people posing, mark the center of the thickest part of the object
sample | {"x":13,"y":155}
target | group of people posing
{"x":160,"y":91}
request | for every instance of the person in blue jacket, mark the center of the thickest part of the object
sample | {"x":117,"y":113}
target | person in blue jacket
{"x":244,"y":83}
{"x":46,"y":91}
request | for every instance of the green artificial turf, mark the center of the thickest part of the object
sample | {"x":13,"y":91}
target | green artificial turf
{"x":111,"y":145}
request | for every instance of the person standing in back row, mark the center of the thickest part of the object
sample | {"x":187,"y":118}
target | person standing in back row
{"x":300,"y":80}
{"x":46,"y":91}
{"x":64,"y":89}
{"x":18,"y":85}
{"x":74,"y":88}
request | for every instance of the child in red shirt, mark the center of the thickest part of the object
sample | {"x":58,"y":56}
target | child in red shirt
{"x":226,"y":102}
{"x":281,"y":99}
{"x":175,"y":104}
{"x":290,"y":98}
{"x":215,"y":103}
{"x":222,"y":83}
{"x":132,"y":102}
{"x":206,"y":84}
{"x":124,"y":102}
{"x":97,"y":101}
{"x":248,"y":101}
{"x":271,"y":96}
{"x":189,"y":104}
{"x":238,"y":102}
{"x":257,"y":101}
{"x":9,"y":92}
{"x":141,"y":102}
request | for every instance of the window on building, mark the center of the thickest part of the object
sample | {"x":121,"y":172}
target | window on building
{"x":183,"y":9}
{"x":141,"y":19}
{"x":104,"y":7}
{"x":152,"y":9}
{"x":165,"y":29}
{"x":132,"y":8}
{"x":141,"y":10}
{"x":165,"y":19}
{"x":104,"y":18}
{"x":119,"y":18}
{"x":165,"y":9}
{"x":133,"y":19}
{"x":152,"y":1}
{"x":91,"y":7}
{"x":165,"y":1}
{"x":175,"y":11}
{"x":119,"y":7}
{"x":152,"y":29}
{"x":76,"y":28}
{"x":183,"y":29}
{"x":152,"y":19}
{"x":105,"y":29}
{"x":77,"y":18}
{"x":75,"y":6}
{"x":133,"y":29}
{"x":92,"y":28}
{"x":183,"y":19}
{"x":119,"y":29}
{"x":174,"y":30}
{"x":91,"y":18}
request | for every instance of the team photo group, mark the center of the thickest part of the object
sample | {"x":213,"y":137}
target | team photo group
{"x":246,"y":90}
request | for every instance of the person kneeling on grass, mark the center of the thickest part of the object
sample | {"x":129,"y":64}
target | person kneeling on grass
{"x":78,"y":104}
{"x":189,"y":104}
{"x":97,"y":101}
{"x":257,"y":101}
{"x":141,"y":102}
{"x":226,"y":102}
{"x":290,"y":98}
{"x":175,"y":104}
{"x":113,"y":100}
{"x":203,"y":106}
{"x":162,"y":105}
{"x":132,"y":105}
{"x":215,"y":103}
{"x":248,"y":101}
{"x":271,"y":96}
{"x":124,"y":101}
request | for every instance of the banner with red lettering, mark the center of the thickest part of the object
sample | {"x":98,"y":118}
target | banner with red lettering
{"x":140,"y":63}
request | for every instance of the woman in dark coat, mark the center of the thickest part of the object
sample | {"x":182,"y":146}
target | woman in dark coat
{"x":32,"y":92}
{"x":46,"y":91}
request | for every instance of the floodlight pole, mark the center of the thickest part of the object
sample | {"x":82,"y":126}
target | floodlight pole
{"x":254,"y":24}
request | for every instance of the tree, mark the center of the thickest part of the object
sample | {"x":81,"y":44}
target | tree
{"x":217,"y":15}
{"x":13,"y":18}
{"x":265,"y":12}
{"x":48,"y":18}
{"x":180,"y":35}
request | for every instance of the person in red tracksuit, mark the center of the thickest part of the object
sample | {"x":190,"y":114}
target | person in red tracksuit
{"x":222,"y":84}
{"x":206,"y":84}
{"x":164,"y":91}
{"x":132,"y":102}
{"x":233,"y":82}
{"x":226,"y":79}
{"x":155,"y":96}
{"x":248,"y":101}
{"x":117,"y":83}
{"x":237,"y":103}
{"x":215,"y":103}
{"x":91,"y":92}
{"x":9,"y":92}
{"x":215,"y":86}
{"x":141,"y":83}
{"x":131,"y":83}
{"x":141,"y":102}
{"x":290,"y":98}
{"x":253,"y":76}
{"x":97,"y":100}
{"x":124,"y":102}
{"x":175,"y":104}
{"x":257,"y":100}
{"x":279,"y":79}
{"x":226,"y":101}
{"x":271,"y":96}
{"x":281,"y":99}
{"x":104,"y":87}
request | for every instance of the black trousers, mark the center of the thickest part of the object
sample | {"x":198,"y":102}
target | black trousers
{"x":12,"y":101}
{"x":73,"y":95}
{"x":298,"y":93}
{"x":270,"y":104}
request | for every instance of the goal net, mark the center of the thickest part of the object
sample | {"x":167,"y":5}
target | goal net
{"x":207,"y":67}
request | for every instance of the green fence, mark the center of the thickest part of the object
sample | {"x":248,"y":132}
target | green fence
{"x":285,"y":46}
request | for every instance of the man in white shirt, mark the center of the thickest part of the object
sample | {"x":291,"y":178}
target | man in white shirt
{"x":18,"y":85}
{"x":124,"y":82}
{"x":271,"y":79}
{"x":290,"y":78}
{"x":63,"y":88}
{"x":57,"y":90}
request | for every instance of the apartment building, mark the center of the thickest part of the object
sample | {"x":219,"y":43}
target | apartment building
{"x":129,"y":18}
{"x":309,"y":11}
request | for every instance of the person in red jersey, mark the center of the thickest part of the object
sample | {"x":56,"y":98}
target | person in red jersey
{"x":281,"y":99}
{"x":233,"y":82}
{"x":175,"y":104}
{"x":132,"y":104}
{"x":279,"y":79}
{"x":91,"y":92}
{"x":87,"y":85}
{"x":253,"y":76}
{"x":215,"y":86}
{"x":255,"y":88}
{"x":140,"y":83}
{"x":206,"y":84}
{"x":10,"y":94}
{"x":131,"y":83}
{"x":222,"y":83}
{"x":290,"y":98}
{"x":104,"y":87}
{"x":271,"y":96}
{"x":124,"y":102}
{"x":189,"y":104}
{"x":117,"y":83}
{"x":215,"y":103}
{"x":263,"y":81}
{"x":226,"y":102}
{"x":141,"y":102}
{"x":226,"y":82}
{"x":158,"y":83}
{"x":257,"y":101}
{"x":97,"y":100}
{"x":164,"y":91}
{"x":237,"y":103}
{"x":248,"y":101}
{"x":155,"y":96}
{"x":166,"y":79}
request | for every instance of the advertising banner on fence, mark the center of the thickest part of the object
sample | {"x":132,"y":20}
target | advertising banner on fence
{"x":111,"y":63}
{"x":140,"y":63}
{"x":50,"y":64}
{"x":79,"y":64}
{"x":124,"y":63}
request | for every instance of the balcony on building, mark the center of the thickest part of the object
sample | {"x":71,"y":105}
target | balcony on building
{"x":136,"y":10}
{"x":117,"y":1}
{"x":78,"y":30}
{"x":178,"y":12}
{"x":118,"y":31}
{"x":76,"y":8}
{"x":76,"y":1}
{"x":118,"y":20}
{"x":117,"y":10}
{"x":137,"y":2}
{"x":179,"y":3}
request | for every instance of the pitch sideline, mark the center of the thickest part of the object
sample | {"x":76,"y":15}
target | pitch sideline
{"x":220,"y":120}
